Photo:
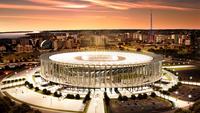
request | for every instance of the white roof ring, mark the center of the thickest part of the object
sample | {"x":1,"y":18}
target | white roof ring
{"x":100,"y":58}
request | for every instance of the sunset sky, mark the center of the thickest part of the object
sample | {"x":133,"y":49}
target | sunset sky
{"x":22,"y":15}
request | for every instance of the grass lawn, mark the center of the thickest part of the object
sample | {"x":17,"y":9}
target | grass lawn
{"x":184,"y":90}
{"x":149,"y":105}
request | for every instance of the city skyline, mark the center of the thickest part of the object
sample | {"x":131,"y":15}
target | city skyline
{"x":23,"y":15}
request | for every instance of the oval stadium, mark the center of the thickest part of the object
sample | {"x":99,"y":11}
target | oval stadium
{"x":101,"y":69}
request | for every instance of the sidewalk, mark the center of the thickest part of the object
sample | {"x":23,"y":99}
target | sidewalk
{"x":49,"y":102}
{"x":97,"y":103}
{"x":191,"y":83}
{"x":177,"y":102}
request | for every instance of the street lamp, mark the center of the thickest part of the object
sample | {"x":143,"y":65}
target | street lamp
{"x":189,"y":96}
{"x":176,"y":94}
{"x":6,"y":73}
{"x":190,"y":79}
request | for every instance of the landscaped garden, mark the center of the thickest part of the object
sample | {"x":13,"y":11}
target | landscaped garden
{"x":140,"y":104}
{"x":187,"y":92}
{"x":189,"y":75}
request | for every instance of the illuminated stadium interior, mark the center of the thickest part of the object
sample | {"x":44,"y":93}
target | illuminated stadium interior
{"x":101,"y":57}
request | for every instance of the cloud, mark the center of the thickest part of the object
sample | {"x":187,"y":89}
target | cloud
{"x":62,"y":4}
{"x":124,"y":5}
{"x":35,"y":17}
{"x":48,"y":17}
{"x":26,"y":7}
{"x":97,"y":5}
{"x":45,"y":5}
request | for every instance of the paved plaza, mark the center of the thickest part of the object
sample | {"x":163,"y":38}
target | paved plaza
{"x":96,"y":105}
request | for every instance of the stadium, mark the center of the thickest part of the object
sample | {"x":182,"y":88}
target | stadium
{"x":101,"y":69}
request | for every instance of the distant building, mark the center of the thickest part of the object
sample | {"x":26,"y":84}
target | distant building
{"x":2,"y":48}
{"x":24,"y":48}
{"x":69,"y":44}
{"x":99,"y":40}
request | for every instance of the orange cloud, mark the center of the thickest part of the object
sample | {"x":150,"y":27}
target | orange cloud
{"x":92,"y":5}
{"x":60,"y":3}
{"x":27,"y":7}
{"x":120,"y":5}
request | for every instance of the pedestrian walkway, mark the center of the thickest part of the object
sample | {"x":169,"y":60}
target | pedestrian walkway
{"x":96,"y":104}
{"x":179,"y":66}
{"x":177,"y":102}
{"x":44,"y":101}
{"x":191,"y":83}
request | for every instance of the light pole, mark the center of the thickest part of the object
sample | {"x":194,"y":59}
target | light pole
{"x":190,"y":79}
{"x":189,"y":96}
{"x":176,"y":94}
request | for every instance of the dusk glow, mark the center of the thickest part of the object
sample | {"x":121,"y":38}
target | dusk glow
{"x":17,"y":15}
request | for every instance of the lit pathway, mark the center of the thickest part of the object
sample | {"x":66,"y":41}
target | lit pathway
{"x":41,"y":101}
{"x":177,"y":102}
{"x":23,"y":73}
{"x":36,"y":99}
{"x":191,"y":83}
{"x":96,"y":104}
{"x":169,"y":77}
{"x":179,"y":66}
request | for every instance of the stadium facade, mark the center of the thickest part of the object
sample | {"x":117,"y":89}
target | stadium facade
{"x":101,"y":69}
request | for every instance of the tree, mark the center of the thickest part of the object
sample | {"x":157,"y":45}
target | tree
{"x":4,"y":82}
{"x":48,"y":92}
{"x":30,"y":86}
{"x":77,"y":96}
{"x":116,"y":90}
{"x":70,"y":96}
{"x":87,"y":97}
{"x":145,"y":96}
{"x":37,"y":89}
{"x":25,"y":108}
{"x":37,"y":111}
{"x":44,"y":91}
{"x":56,"y":94}
{"x":140,"y":96}
{"x":120,"y":97}
{"x":138,"y":49}
{"x":181,"y":111}
{"x":124,"y":98}
{"x":133,"y":97}
{"x":196,"y":107}
{"x":27,"y":83}
{"x":4,"y":106}
{"x":153,"y":94}
{"x":107,"y":99}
